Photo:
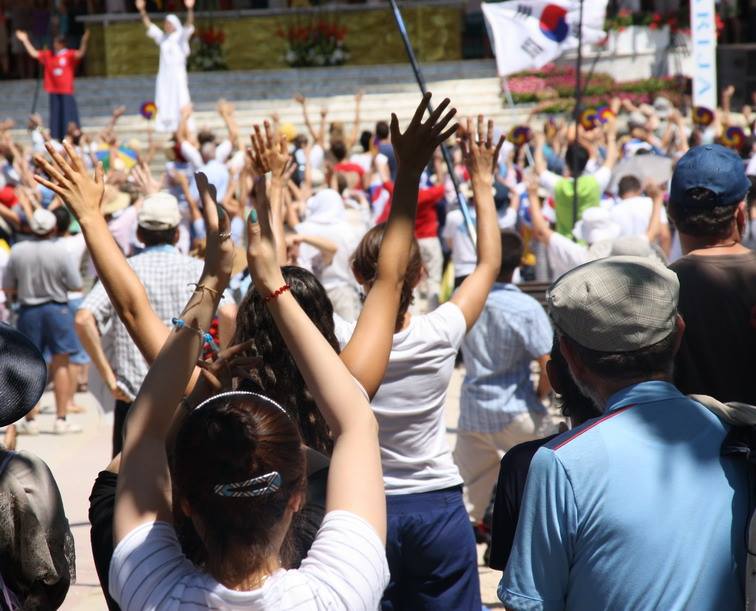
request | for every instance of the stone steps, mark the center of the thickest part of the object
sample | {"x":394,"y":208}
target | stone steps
{"x":472,"y":86}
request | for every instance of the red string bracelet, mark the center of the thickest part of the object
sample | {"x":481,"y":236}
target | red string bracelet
{"x":276,"y":293}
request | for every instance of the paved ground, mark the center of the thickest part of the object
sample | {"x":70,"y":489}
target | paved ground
{"x":75,"y":461}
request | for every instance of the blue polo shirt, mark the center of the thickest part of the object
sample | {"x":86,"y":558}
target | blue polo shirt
{"x":633,"y":510}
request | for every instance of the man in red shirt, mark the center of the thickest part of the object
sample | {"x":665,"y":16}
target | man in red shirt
{"x":59,"y":66}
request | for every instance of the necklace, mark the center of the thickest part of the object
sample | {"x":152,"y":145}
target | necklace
{"x":730,"y":245}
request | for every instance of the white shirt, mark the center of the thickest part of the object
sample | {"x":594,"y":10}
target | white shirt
{"x":564,"y":254}
{"x":464,"y":255}
{"x":76,"y":248}
{"x":409,"y":405}
{"x":548,"y":180}
{"x":633,"y":215}
{"x":345,"y":569}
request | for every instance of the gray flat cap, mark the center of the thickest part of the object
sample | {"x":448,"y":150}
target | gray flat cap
{"x":616,"y":304}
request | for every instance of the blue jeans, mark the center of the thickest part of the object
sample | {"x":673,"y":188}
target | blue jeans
{"x":50,"y":326}
{"x":431,"y":553}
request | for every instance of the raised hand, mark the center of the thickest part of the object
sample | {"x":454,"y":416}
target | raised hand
{"x":269,"y":153}
{"x":22,"y":35}
{"x":189,"y":4}
{"x":219,"y":250}
{"x":479,"y":151}
{"x":262,"y":255}
{"x":70,"y":180}
{"x":143,"y":179}
{"x":140,"y":5}
{"x":299,"y":99}
{"x":414,"y":147}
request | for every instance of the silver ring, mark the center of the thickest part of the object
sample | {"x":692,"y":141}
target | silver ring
{"x":224,"y":236}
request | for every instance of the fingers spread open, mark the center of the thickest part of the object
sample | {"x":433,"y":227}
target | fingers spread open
{"x":489,"y":133}
{"x":52,"y":171}
{"x":418,"y":117}
{"x":438,"y":111}
{"x":480,"y":138}
{"x":441,"y":125}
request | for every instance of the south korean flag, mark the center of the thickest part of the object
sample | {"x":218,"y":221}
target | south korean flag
{"x":527,"y":34}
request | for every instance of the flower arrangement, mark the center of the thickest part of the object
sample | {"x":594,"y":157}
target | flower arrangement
{"x":319,"y":43}
{"x":676,"y":21}
{"x":555,"y":85}
{"x":207,"y":50}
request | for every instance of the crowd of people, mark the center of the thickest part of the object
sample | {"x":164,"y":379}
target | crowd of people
{"x":329,"y":282}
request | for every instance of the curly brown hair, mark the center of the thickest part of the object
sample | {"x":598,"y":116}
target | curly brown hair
{"x":279,"y":378}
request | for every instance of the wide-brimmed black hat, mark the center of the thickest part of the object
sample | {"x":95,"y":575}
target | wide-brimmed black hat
{"x":23,"y":375}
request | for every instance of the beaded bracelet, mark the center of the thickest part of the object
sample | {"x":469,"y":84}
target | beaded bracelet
{"x":276,"y":293}
{"x":181,"y":324}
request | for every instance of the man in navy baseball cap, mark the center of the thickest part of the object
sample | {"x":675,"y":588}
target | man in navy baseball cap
{"x":714,"y":168}
{"x":717,"y":275}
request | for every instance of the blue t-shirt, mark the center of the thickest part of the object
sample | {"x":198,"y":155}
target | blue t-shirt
{"x":633,"y":510}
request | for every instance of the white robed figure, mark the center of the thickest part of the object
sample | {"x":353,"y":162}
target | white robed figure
{"x":171,"y":86}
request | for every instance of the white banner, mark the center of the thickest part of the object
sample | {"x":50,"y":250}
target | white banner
{"x":704,"y":33}
{"x":527,"y":34}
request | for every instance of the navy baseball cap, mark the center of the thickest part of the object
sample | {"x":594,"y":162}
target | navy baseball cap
{"x":713,"y":167}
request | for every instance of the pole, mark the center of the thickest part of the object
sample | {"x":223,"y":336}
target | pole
{"x":444,"y":150}
{"x":578,"y":93}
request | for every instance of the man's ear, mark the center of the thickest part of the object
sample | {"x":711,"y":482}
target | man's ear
{"x":680,"y":325}
{"x":573,"y":361}
{"x":741,"y":219}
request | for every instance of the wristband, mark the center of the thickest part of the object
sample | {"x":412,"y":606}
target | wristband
{"x":276,"y":293}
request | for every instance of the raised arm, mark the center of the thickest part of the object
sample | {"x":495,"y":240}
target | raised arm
{"x":611,"y":143}
{"x":23,"y":38}
{"x":83,"y":195}
{"x":480,"y":158}
{"x":226,"y":111}
{"x":541,"y":229}
{"x":82,"y":50}
{"x":189,"y":4}
{"x":367,"y":352}
{"x":271,"y":154}
{"x":143,"y":493}
{"x":356,"y":128}
{"x":355,"y":479}
{"x":302,"y":101}
{"x":140,"y":6}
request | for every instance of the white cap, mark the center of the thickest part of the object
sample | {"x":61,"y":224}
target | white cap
{"x":595,"y":226}
{"x":159,"y":211}
{"x":42,"y":221}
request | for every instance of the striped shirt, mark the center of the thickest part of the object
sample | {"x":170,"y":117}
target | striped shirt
{"x":345,"y":569}
{"x":512,"y":331}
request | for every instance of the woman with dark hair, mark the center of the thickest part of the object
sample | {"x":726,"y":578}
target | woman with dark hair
{"x":238,"y":455}
{"x":430,"y":547}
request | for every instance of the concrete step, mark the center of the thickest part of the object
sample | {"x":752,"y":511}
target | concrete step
{"x":256,"y":95}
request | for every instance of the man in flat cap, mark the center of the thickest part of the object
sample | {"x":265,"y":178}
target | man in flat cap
{"x":635,"y":509}
{"x":717,"y":275}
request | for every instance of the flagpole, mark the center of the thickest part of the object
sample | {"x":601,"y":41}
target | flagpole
{"x":576,"y":171}
{"x":444,"y":150}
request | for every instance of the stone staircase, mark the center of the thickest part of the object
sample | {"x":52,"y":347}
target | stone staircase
{"x":472,"y":85}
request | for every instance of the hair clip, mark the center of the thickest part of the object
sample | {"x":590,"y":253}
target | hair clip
{"x":256,"y":486}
